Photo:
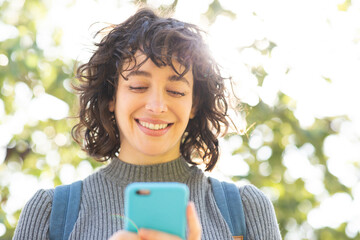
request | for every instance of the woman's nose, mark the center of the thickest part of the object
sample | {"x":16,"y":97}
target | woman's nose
{"x":156,"y":103}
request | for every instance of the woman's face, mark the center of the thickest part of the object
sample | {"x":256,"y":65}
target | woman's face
{"x":152,"y":109}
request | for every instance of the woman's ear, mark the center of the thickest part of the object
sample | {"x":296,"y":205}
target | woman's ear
{"x":112,"y":105}
{"x":192,"y":113}
{"x":194,"y":109}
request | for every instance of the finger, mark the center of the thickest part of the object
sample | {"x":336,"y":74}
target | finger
{"x":194,"y":225}
{"x":124,"y":235}
{"x":147,"y":234}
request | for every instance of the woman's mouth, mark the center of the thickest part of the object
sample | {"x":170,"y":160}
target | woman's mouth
{"x":152,"y":126}
{"x":153,"y":129}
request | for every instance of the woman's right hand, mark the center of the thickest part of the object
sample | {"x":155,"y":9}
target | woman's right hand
{"x":194,"y":227}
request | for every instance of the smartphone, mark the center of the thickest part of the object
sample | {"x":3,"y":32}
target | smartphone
{"x":159,"y":206}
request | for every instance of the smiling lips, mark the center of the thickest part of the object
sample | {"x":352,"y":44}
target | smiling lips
{"x":153,"y":128}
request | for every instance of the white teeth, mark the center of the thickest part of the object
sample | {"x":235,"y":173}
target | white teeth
{"x":153,"y":126}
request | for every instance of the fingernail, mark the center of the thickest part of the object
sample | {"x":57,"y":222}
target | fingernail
{"x":143,"y":231}
{"x":142,"y":234}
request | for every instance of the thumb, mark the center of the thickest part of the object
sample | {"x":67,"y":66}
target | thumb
{"x":194,"y":225}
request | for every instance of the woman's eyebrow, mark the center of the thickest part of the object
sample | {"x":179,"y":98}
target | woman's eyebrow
{"x":139,"y":73}
{"x":174,"y":78}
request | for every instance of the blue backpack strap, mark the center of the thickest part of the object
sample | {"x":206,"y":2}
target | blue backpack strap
{"x":228,"y":200}
{"x":65,"y":210}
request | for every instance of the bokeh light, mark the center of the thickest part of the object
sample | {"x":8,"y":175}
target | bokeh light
{"x":295,"y":70}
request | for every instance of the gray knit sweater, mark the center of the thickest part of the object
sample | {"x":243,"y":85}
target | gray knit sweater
{"x":102,"y":204}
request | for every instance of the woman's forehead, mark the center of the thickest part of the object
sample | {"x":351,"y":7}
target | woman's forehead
{"x":143,"y":61}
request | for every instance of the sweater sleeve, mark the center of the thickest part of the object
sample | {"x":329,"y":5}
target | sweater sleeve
{"x":35,"y":216}
{"x":260,"y":218}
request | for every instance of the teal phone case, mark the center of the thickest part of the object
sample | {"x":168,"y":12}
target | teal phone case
{"x":163,"y":209}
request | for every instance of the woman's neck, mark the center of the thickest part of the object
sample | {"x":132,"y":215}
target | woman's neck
{"x":138,"y":158}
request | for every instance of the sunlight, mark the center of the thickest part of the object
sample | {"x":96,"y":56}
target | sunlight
{"x":306,"y":50}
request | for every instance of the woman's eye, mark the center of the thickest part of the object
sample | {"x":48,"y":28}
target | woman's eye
{"x":177,"y":93}
{"x":137,"y":89}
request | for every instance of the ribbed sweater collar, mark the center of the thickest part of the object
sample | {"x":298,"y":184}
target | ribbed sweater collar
{"x":176,"y":170}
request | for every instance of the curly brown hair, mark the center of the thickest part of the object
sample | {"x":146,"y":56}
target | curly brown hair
{"x":163,"y":40}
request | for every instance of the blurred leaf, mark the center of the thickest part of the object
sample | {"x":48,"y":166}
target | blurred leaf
{"x":28,"y":64}
{"x":344,"y":6}
{"x":215,"y":9}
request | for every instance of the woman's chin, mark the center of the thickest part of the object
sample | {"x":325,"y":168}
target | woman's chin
{"x":159,"y":153}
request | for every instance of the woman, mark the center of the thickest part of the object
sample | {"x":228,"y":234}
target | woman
{"x":152,"y":103}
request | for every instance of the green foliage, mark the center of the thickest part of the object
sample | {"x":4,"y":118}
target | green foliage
{"x":216,"y":9}
{"x":28,"y":64}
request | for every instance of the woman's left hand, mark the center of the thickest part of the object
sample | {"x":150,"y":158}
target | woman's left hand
{"x":194,"y":228}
